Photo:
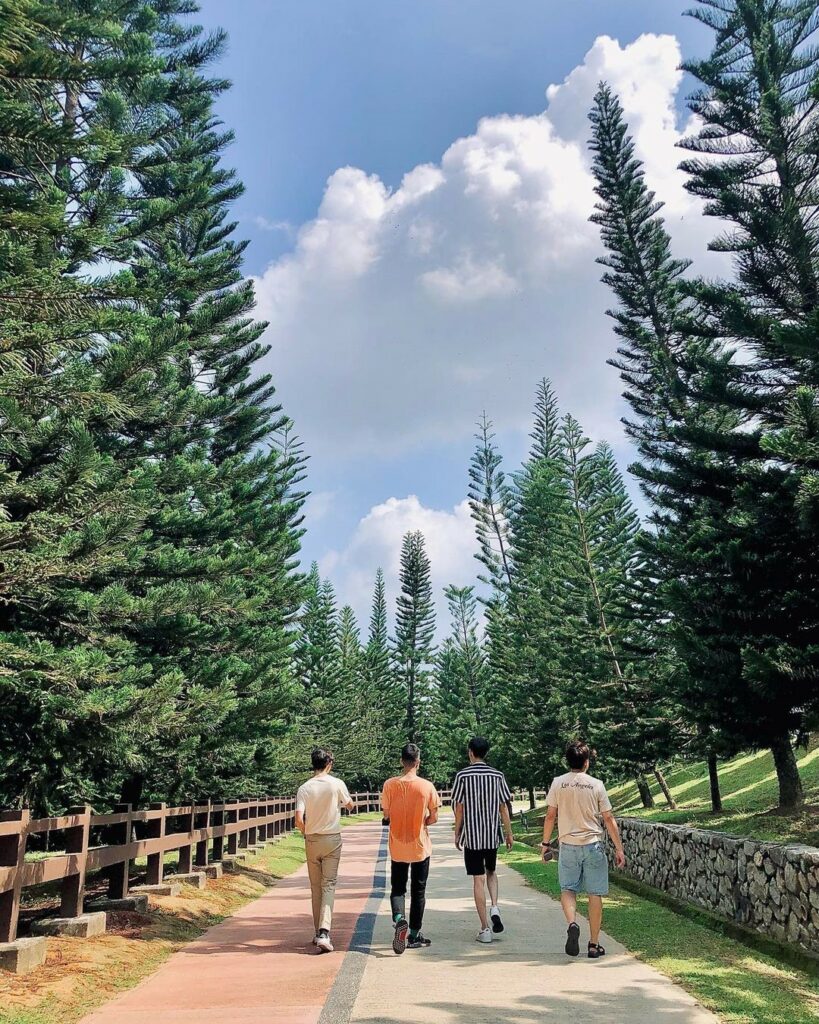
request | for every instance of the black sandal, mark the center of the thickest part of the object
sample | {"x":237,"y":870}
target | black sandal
{"x":573,"y":939}
{"x":596,"y":951}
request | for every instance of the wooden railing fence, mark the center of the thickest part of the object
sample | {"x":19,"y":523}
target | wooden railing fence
{"x":202,"y":833}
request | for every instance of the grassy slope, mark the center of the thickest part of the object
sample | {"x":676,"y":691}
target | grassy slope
{"x":739,"y":984}
{"x":749,"y":796}
{"x":81,"y":974}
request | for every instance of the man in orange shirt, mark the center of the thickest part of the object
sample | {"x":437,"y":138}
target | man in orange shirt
{"x":411,"y":805}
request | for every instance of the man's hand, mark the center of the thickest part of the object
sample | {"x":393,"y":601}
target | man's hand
{"x":510,"y":840}
{"x":619,"y":859}
{"x":459,"y":841}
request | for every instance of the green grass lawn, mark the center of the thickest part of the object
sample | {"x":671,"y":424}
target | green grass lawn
{"x":749,"y":797}
{"x":741,"y":985}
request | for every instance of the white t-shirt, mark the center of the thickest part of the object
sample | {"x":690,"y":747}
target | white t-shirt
{"x":320,"y":801}
{"x":580,"y":800}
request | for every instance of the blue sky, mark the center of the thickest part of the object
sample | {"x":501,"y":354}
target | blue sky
{"x":401,"y":312}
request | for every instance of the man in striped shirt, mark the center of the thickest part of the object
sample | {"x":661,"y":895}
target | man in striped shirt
{"x":480,"y":797}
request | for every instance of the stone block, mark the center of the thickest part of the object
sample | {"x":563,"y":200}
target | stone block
{"x":138,"y":904}
{"x":195,"y":878}
{"x":209,"y":870}
{"x":22,"y":955}
{"x":163,"y":889}
{"x":83,"y":927}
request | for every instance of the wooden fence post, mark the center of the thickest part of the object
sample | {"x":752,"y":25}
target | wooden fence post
{"x":185,"y":865}
{"x":72,"y":890}
{"x":13,"y":854}
{"x":202,"y":820}
{"x":244,"y":814}
{"x":155,"y":829}
{"x":118,"y":873}
{"x":253,"y":814}
{"x":233,"y":838}
{"x":218,"y":841}
{"x":264,"y":811}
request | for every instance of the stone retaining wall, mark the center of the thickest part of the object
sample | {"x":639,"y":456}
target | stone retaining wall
{"x":770,"y":887}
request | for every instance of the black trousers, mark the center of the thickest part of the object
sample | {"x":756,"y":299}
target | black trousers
{"x":418,"y":874}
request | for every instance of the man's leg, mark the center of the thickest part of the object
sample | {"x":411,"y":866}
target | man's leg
{"x":399,"y":872}
{"x":329,"y":877}
{"x":595,"y":918}
{"x":314,"y":875}
{"x":418,"y":896}
{"x":492,"y":886}
{"x":568,"y":900}
{"x":479,"y":892}
{"x":398,"y":889}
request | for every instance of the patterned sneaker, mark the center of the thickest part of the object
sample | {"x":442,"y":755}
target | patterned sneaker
{"x":399,"y":939}
{"x":419,"y":942}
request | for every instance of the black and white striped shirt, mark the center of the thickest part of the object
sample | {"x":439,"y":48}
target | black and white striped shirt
{"x":481,"y":789}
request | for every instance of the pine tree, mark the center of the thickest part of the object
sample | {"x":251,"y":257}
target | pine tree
{"x":693,"y":437}
{"x":137,"y":498}
{"x":414,"y":644}
{"x":461,"y":685}
{"x":754,"y":165}
{"x":383,"y":691}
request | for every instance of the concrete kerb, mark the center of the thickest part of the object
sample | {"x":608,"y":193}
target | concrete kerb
{"x":22,"y":955}
{"x":83,"y":927}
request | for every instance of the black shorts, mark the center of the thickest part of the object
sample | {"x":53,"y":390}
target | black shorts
{"x":478,"y":862}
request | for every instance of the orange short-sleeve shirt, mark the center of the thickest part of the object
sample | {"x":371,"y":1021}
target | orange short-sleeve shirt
{"x":407,"y":801}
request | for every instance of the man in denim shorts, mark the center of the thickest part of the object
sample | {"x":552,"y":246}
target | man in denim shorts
{"x":582,"y":807}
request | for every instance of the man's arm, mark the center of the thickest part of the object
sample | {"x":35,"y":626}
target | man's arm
{"x":549,"y":825}
{"x":507,"y":825}
{"x":459,"y":824}
{"x":433,"y":804}
{"x":300,"y":821}
{"x":346,"y":800}
{"x":611,"y":827}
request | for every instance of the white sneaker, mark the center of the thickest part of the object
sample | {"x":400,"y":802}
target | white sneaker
{"x":315,"y":940}
{"x":324,"y":944}
{"x":484,"y":935}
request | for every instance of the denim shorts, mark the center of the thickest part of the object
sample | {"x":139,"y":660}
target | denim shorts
{"x":583,"y":869}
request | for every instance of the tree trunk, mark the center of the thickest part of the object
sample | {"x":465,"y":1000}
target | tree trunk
{"x":669,"y":799}
{"x":645,"y":792}
{"x":791,"y":793}
{"x":132,"y":788}
{"x":531,"y":798}
{"x":713,"y":778}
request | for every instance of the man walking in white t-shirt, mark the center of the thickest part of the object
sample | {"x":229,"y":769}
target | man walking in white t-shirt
{"x":582,"y":807}
{"x":318,"y":818}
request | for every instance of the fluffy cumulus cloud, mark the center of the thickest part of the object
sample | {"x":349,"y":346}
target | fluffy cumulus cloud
{"x":399,"y":315}
{"x":376,"y":542}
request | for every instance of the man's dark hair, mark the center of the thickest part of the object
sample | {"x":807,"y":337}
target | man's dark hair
{"x":410,"y":753}
{"x":577,"y":753}
{"x":479,"y":746}
{"x":321,"y":758}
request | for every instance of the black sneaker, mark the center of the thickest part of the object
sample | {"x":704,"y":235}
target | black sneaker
{"x":497,"y":924}
{"x":399,"y":939}
{"x":573,"y":939}
{"x":419,"y":942}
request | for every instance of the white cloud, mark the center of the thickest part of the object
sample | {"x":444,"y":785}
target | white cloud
{"x":400,"y":315}
{"x":376,"y":542}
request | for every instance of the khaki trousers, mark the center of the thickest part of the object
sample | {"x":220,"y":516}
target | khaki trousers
{"x":323,"y":855}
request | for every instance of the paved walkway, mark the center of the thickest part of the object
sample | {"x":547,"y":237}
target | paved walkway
{"x":524,"y":977}
{"x":258,"y":966}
